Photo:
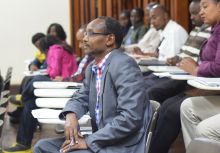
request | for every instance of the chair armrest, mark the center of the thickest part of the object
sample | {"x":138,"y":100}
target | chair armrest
{"x":52,"y":102}
{"x":65,"y":93}
{"x":56,"y":85}
{"x":50,"y":116}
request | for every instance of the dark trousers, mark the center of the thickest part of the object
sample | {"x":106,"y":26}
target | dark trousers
{"x":28,"y":123}
{"x":160,"y":89}
{"x":168,"y":124}
{"x":24,"y":82}
{"x":28,"y":91}
{"x":169,"y":93}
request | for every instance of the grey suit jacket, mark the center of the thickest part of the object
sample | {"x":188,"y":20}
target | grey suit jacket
{"x":124,"y":106}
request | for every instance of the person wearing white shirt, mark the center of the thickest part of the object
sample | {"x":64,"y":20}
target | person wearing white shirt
{"x":172,"y":37}
{"x":150,"y":40}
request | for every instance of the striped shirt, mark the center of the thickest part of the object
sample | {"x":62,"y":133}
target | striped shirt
{"x":193,"y":44}
{"x":98,"y":70}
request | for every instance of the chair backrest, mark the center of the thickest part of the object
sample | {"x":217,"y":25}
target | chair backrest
{"x":4,"y":101}
{"x":1,"y":127}
{"x":1,"y":84}
{"x":7,"y":80}
{"x":155,"y":106}
{"x":203,"y":145}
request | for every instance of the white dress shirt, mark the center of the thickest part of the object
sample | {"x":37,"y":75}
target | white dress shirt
{"x":148,"y":43}
{"x":172,"y":37}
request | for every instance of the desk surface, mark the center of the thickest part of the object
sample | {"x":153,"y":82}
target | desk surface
{"x":201,"y":86}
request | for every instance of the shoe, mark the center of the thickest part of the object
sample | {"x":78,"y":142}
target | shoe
{"x":16,"y":99}
{"x":59,"y":129}
{"x":16,"y":113}
{"x":18,"y":148}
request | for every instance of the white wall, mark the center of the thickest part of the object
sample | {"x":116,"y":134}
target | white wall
{"x":20,"y":19}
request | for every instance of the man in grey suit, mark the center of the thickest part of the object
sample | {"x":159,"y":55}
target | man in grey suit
{"x":113,"y":93}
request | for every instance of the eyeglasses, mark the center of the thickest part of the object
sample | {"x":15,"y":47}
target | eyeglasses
{"x":90,"y":33}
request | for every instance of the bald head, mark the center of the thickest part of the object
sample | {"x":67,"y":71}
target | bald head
{"x":159,"y":17}
{"x":160,"y":10}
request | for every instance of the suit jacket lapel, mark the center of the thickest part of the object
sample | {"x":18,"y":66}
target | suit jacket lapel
{"x":103,"y":85}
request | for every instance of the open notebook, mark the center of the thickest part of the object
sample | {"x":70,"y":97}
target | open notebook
{"x":213,"y":82}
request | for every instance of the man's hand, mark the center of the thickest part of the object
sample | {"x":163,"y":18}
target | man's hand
{"x":137,"y":50}
{"x":33,"y":68}
{"x":71,"y":127}
{"x":173,"y":60}
{"x":68,"y":146}
{"x":189,"y":65}
{"x":152,"y":54}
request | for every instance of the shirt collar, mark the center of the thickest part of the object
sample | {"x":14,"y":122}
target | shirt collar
{"x":101,"y":63}
{"x":166,"y":29}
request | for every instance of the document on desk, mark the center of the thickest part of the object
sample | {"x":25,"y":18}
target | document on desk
{"x":170,"y":69}
{"x":182,"y":77}
{"x":175,"y":76}
{"x":212,"y":82}
{"x":34,"y":73}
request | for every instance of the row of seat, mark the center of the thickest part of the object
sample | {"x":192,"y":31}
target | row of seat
{"x":5,"y":92}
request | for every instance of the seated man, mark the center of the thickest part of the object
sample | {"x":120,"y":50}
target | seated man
{"x":137,"y":30}
{"x":150,"y":40}
{"x":158,"y":89}
{"x":114,"y":95}
{"x":172,"y":36}
{"x":125,"y":22}
{"x":168,"y":125}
